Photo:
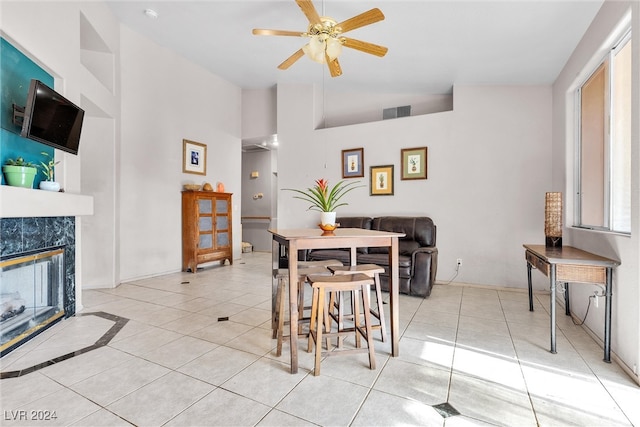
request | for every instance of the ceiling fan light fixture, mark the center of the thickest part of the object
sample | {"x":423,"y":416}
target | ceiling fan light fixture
{"x":314,"y":49}
{"x":319,"y":45}
{"x":334,"y":47}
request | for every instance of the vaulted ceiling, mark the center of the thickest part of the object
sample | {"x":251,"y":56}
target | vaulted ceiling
{"x":432,"y":44}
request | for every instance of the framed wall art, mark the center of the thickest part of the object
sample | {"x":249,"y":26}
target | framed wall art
{"x":194,"y":157}
{"x":414,"y":163}
{"x":353,"y":163}
{"x":381,"y":183}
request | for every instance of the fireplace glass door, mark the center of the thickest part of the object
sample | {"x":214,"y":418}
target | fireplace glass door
{"x":31,"y":295}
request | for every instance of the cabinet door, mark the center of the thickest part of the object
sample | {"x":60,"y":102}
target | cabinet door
{"x":222,"y":223}
{"x":205,"y":224}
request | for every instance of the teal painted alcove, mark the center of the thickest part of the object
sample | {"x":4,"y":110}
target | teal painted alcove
{"x":16,"y":72}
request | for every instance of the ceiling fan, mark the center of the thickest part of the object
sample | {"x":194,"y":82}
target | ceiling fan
{"x":326,"y":39}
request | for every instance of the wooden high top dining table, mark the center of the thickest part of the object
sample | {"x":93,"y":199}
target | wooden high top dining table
{"x":353,"y":238}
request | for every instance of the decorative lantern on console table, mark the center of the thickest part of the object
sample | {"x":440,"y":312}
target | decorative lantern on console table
{"x":553,"y":220}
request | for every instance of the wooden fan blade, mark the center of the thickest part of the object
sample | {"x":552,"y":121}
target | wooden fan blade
{"x":290,"y":60}
{"x":365,"y":18}
{"x":365,"y":47}
{"x":334,"y":66}
{"x":262,"y":32}
{"x":309,"y":11}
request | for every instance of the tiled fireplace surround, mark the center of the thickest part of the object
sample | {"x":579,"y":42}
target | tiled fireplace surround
{"x":19,"y":235}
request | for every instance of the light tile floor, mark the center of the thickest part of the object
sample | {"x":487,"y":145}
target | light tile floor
{"x":476,"y":351}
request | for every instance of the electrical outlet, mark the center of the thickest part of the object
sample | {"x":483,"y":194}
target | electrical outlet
{"x":459,"y":261}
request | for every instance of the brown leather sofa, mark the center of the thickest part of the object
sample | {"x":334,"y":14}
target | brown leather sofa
{"x":418,"y":255}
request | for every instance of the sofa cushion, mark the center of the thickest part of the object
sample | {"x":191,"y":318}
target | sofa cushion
{"x":405,"y":247}
{"x":325,"y":254}
{"x":420,"y":229}
{"x":355,"y":222}
{"x":404,"y":262}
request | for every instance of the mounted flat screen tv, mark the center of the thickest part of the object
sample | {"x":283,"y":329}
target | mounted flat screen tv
{"x":52,"y":119}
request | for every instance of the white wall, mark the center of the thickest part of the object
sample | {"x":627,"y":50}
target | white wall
{"x":488,"y":171}
{"x":258,"y":112}
{"x":626,"y":295}
{"x":34,"y":27}
{"x":166,"y":98}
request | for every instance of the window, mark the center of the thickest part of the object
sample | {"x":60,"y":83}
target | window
{"x":603,"y":196}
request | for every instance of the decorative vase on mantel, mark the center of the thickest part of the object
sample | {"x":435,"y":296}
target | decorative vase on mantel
{"x":19,"y":176}
{"x":49,"y":185}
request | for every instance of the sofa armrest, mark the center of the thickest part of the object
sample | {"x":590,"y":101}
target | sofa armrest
{"x":432,"y":250}
{"x":424,"y":264}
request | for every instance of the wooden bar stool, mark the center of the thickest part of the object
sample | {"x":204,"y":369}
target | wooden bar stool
{"x":283,"y":275}
{"x":312,"y":264}
{"x":278,"y":318}
{"x":320,"y":326}
{"x":373,"y":271}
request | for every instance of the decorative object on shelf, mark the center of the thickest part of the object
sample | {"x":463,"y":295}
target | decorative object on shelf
{"x":553,"y":220}
{"x":353,"y":163}
{"x":220,"y":187}
{"x":207,"y":187}
{"x":19,"y":173}
{"x":194,"y":157}
{"x":325,"y":200}
{"x":192,"y":187}
{"x":381,"y":180}
{"x":414,"y":163}
{"x":49,"y":186}
{"x":47,"y":171}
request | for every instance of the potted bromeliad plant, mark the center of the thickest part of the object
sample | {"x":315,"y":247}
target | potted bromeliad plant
{"x":325,"y":199}
{"x":19,"y":173}
{"x":47,"y":171}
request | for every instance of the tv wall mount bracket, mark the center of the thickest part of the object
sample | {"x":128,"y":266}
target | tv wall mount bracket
{"x":18,"y":115}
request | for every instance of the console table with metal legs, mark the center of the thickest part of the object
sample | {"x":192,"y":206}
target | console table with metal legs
{"x":568,"y":264}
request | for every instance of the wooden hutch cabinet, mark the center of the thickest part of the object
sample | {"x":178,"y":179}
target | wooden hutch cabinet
{"x":206,"y":228}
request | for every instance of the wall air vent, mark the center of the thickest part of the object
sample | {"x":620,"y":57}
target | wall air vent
{"x":395,"y":112}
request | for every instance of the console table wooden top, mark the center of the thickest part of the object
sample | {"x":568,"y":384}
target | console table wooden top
{"x":570,"y":255}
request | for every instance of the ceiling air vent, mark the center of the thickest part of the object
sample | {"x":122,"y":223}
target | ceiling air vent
{"x":253,"y":148}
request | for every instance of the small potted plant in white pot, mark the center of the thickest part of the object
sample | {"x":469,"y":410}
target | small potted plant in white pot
{"x":325,"y":199}
{"x":19,"y":172}
{"x":47,"y":171}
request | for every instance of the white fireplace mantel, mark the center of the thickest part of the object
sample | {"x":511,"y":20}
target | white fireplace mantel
{"x":18,"y":202}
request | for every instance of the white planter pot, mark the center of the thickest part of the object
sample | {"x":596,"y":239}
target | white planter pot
{"x":327,"y":218}
{"x":49,"y":185}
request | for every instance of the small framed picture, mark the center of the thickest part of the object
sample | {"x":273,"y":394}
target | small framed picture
{"x":353,"y":163}
{"x":414,"y":163}
{"x":381,"y":180}
{"x":194,"y":157}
